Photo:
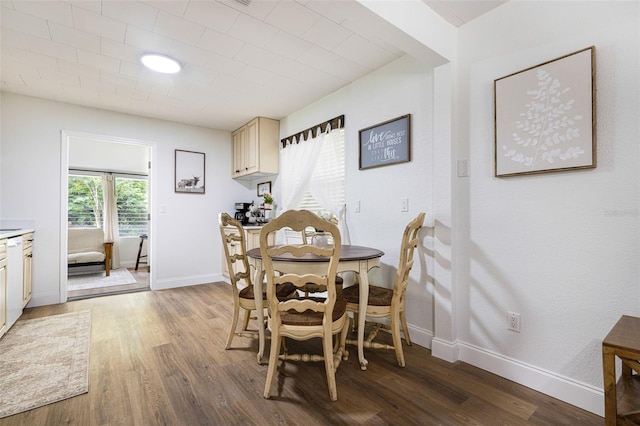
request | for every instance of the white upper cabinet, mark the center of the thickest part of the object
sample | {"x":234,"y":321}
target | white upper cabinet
{"x":255,"y":149}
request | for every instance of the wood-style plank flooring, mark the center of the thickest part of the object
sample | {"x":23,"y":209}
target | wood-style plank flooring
{"x":142,"y":284}
{"x":158,"y":358}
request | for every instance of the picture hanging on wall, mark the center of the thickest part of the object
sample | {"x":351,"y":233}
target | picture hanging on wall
{"x":189,"y":172}
{"x":264,"y":188}
{"x":386,"y":143}
{"x":545,"y":117}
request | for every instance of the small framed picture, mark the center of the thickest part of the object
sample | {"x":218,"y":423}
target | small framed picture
{"x":264,"y":188}
{"x":189,"y":172}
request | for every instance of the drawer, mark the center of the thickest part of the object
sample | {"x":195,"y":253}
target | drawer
{"x":27,"y":240}
{"x":3,"y":248}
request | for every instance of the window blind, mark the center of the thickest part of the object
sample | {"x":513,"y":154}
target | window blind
{"x":328,"y":169}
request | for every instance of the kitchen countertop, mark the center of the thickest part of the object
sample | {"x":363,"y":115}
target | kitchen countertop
{"x":252,"y":226}
{"x":13,"y":232}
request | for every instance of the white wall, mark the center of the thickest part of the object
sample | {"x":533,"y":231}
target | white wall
{"x":559,"y":248}
{"x":185,"y":249}
{"x":101,"y":155}
{"x":403,"y":87}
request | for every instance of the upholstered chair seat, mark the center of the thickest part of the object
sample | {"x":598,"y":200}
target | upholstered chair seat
{"x":309,"y":317}
{"x":378,"y":296}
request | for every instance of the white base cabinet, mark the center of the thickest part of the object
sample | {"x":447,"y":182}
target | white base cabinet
{"x":16,"y":259}
{"x":3,"y":287}
{"x":27,"y":267}
{"x":252,"y":240}
{"x":15,"y":280}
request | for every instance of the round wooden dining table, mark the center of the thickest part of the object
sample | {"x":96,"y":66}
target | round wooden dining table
{"x":357,"y":259}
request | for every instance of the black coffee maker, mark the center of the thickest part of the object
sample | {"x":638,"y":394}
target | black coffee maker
{"x":241,"y":213}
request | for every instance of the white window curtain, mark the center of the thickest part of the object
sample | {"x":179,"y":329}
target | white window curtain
{"x":110,"y":225}
{"x":300,"y":159}
{"x":306,"y":164}
{"x":327,"y":181}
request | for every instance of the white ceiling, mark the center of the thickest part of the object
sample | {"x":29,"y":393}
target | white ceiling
{"x":267,"y":59}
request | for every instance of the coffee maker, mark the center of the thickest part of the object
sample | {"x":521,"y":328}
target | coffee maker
{"x":241,"y":213}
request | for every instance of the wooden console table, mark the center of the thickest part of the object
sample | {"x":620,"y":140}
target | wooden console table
{"x":622,"y":399}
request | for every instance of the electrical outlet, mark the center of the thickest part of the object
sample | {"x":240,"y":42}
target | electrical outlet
{"x":404,"y":205}
{"x":513,"y":321}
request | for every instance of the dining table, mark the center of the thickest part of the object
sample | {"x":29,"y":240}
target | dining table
{"x":358,"y":259}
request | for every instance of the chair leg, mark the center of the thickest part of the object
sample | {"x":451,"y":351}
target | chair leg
{"x":247,"y":317}
{"x":139,"y":253}
{"x":327,"y":348}
{"x":397,"y":340}
{"x":276,"y":341}
{"x":234,"y":324}
{"x":355,"y":322}
{"x":343,"y":339}
{"x":405,"y":328}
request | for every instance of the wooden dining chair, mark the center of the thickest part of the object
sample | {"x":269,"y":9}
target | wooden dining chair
{"x":304,"y":317}
{"x":235,"y":249}
{"x":389,"y":302}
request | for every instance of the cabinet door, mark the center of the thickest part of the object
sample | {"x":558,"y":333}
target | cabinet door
{"x":238,"y":138}
{"x":3,"y":296}
{"x":253,"y":239}
{"x":27,"y":263}
{"x":251,"y":146}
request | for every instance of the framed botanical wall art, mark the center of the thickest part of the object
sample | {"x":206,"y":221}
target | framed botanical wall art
{"x":189,"y":172}
{"x":545,"y":117}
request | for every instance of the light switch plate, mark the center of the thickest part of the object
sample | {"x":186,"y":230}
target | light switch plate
{"x":463,"y":168}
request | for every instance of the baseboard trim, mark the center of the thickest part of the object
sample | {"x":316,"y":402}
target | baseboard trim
{"x":587,"y":397}
{"x":420,"y":336}
{"x":445,"y":350}
{"x":185,"y":281}
{"x":44,"y":300}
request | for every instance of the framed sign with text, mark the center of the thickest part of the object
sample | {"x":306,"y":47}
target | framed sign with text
{"x":386,"y":143}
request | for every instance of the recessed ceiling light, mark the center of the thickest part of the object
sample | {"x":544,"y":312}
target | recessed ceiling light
{"x":160,"y":63}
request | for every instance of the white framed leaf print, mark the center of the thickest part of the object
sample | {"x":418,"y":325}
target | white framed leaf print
{"x":545,"y":117}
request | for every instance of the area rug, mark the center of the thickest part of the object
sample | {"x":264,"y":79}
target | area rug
{"x":44,"y":360}
{"x":95,"y":280}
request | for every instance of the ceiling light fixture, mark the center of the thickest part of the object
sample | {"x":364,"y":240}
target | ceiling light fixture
{"x":160,"y":63}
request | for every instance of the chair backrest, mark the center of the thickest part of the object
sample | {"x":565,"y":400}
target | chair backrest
{"x":409,"y":243}
{"x":295,"y":237}
{"x":300,"y":273}
{"x":235,"y":250}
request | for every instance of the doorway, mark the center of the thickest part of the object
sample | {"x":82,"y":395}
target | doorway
{"x":99,"y":165}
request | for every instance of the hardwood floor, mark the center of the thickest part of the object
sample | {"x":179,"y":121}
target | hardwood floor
{"x":158,"y":358}
{"x":142,"y":284}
